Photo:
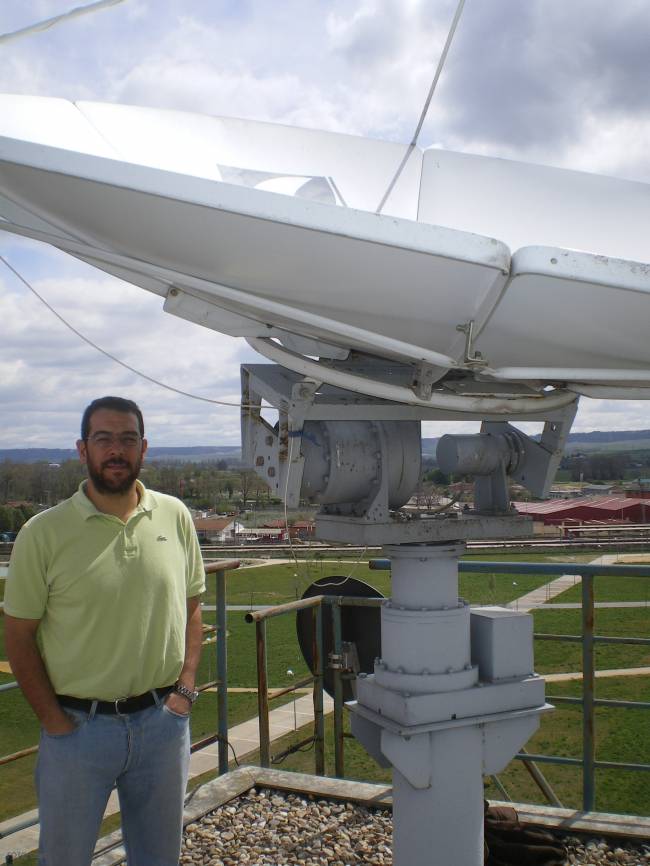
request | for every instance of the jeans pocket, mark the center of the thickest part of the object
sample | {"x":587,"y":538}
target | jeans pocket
{"x":173,"y":714}
{"x":79,"y":720}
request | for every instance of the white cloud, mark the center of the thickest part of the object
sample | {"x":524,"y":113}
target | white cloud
{"x":545,"y":80}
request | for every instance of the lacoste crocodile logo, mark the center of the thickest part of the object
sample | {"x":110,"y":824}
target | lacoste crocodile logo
{"x":161,"y":538}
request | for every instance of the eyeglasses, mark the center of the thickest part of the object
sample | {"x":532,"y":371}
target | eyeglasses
{"x":123,"y":440}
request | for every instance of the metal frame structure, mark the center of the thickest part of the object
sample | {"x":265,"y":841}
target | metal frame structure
{"x":588,"y":762}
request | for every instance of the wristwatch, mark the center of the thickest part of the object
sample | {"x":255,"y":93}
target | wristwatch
{"x":187,"y":693}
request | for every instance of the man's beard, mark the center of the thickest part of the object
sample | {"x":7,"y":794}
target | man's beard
{"x":113,"y":486}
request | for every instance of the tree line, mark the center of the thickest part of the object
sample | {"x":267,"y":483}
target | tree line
{"x":209,"y":486}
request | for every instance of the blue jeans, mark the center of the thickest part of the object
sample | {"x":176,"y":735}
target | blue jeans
{"x":145,"y":754}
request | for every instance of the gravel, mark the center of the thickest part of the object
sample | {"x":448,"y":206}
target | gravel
{"x":268,"y":827}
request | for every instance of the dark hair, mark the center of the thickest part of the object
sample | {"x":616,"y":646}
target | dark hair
{"x":116,"y":404}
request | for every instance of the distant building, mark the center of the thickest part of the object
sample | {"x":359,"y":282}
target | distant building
{"x":610,"y":509}
{"x":217,"y":530}
{"x":303,"y":529}
{"x":565,"y":492}
{"x":639,"y":489}
{"x":597,"y":489}
{"x":262,"y":534}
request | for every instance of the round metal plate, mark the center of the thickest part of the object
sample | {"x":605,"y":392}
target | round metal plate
{"x":360,"y":625}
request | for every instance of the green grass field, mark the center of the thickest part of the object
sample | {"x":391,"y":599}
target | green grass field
{"x":621,"y":736}
{"x":276,"y":584}
{"x":611,"y":588}
{"x":555,"y":657}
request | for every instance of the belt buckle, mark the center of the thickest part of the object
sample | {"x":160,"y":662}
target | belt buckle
{"x":117,"y":709}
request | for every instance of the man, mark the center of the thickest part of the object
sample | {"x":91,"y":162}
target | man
{"x":103,"y":633}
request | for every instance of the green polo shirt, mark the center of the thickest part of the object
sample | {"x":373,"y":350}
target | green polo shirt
{"x":110,"y":596}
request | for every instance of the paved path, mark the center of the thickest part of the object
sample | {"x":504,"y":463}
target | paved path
{"x":542,"y":594}
{"x":540,"y":597}
{"x":577,"y":675}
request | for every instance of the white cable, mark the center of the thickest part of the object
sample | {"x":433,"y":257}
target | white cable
{"x":427,"y":103}
{"x":57,"y":19}
{"x":286,"y":496}
{"x":492,"y":405}
{"x":112,"y":357}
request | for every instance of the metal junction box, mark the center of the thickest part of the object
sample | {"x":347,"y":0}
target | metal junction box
{"x":502,"y":643}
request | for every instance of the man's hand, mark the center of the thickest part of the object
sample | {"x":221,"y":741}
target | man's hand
{"x":178,"y":704}
{"x":60,"y":725}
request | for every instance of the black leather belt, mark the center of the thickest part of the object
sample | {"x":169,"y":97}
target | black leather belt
{"x":120,"y":707}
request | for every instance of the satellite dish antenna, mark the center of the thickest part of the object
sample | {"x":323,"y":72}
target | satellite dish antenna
{"x":268,"y":232}
{"x":486,"y":289}
{"x":360,"y":628}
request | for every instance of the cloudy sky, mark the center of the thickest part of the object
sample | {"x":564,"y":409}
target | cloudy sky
{"x":557,"y":82}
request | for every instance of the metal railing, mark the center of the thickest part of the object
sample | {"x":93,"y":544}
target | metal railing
{"x":587,"y":572}
{"x":220,"y":570}
{"x":260,"y":617}
{"x":588,"y":763}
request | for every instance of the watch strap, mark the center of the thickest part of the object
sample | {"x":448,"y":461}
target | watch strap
{"x":187,"y":693}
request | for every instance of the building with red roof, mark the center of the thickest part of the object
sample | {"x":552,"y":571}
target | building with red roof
{"x":610,"y":509}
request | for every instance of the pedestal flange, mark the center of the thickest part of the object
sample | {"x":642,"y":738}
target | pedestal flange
{"x":384,"y":723}
{"x":406,"y":709}
{"x":421,"y":529}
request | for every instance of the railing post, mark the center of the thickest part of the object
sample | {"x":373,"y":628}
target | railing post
{"x":319,"y":722}
{"x":262,"y":694}
{"x":339,"y":757}
{"x":588,"y":744}
{"x":222,"y":672}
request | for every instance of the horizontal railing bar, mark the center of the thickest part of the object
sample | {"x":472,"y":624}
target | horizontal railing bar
{"x":16,"y":828}
{"x":577,"y":568}
{"x":23,"y":753}
{"x":202,"y":744}
{"x":549,"y":759}
{"x":278,"y":610}
{"x":353,"y":601}
{"x":576,"y":638}
{"x":618,"y":765}
{"x":7,"y":687}
{"x":221,"y":565}
{"x":642,"y":641}
{"x":601,"y":702}
{"x":577,"y":762}
{"x":299,"y":684}
{"x":560,"y":569}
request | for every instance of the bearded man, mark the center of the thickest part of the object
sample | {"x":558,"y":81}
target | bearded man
{"x":103,"y":633}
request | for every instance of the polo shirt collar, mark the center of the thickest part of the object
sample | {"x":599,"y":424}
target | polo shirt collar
{"x":87,"y":509}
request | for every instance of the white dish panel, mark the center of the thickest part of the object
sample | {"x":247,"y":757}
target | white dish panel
{"x":216,"y":147}
{"x":535,"y":205}
{"x":567,"y":309}
{"x":56,"y":122}
{"x":394,"y":278}
{"x":269,"y":229}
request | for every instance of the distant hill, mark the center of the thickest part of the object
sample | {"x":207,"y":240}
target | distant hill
{"x":182,"y":454}
{"x":597,"y":440}
{"x":609,"y":440}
